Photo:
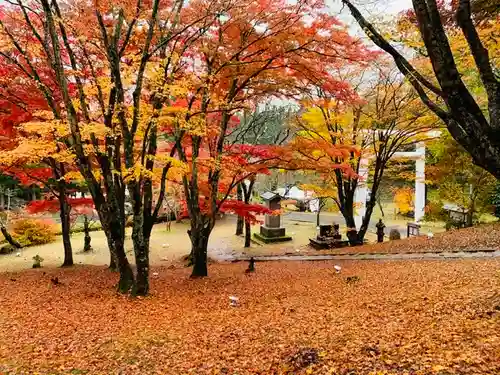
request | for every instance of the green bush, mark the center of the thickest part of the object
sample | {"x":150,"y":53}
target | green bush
{"x":30,"y":232}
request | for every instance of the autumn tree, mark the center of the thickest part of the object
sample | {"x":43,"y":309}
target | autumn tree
{"x":323,"y":190}
{"x":445,"y":92}
{"x":254,"y":52}
{"x":266,"y":126}
{"x":33,"y":159}
{"x":105,"y":74}
{"x":457,"y":180}
{"x":376,"y":126}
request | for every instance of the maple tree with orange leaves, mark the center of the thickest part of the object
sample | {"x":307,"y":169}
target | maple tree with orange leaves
{"x":141,"y":93}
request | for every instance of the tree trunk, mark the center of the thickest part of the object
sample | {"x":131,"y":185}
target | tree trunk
{"x":87,"y":238}
{"x":64,"y":213}
{"x":352,"y":233}
{"x":9,"y":238}
{"x":248,"y":233}
{"x":247,"y":196}
{"x":320,"y":206}
{"x":113,"y":264}
{"x":239,"y":226}
{"x":114,"y":226}
{"x":240,"y":222}
{"x":141,"y":251}
{"x":382,"y":209}
{"x":476,"y":131}
{"x":199,"y":240}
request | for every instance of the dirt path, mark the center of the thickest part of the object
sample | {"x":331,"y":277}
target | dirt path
{"x":166,"y":247}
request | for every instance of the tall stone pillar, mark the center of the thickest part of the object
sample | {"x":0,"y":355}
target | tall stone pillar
{"x":361,"y":193}
{"x":420,"y":182}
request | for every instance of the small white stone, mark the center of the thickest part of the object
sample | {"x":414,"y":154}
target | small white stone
{"x":233,"y":301}
{"x":166,"y":245}
{"x":155,"y":273}
{"x":430,"y":235}
{"x":18,"y":254}
{"x":337,"y":268}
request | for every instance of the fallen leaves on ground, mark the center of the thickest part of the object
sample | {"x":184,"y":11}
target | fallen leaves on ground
{"x":479,"y":238}
{"x":483,"y":237}
{"x":400,"y":317}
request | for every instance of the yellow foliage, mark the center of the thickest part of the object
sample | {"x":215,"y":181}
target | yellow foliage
{"x":404,"y":198}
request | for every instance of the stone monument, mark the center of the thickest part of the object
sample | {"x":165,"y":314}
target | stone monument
{"x":329,"y":237}
{"x":272,"y":231}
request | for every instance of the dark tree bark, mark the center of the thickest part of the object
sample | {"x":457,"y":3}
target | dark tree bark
{"x":115,"y":226}
{"x":87,"y":239}
{"x":478,"y":133}
{"x":247,"y":197}
{"x":64,"y":213}
{"x":321,"y":204}
{"x":248,"y":233}
{"x":11,"y":240}
{"x":113,"y":266}
{"x":240,"y":220}
{"x":199,"y":236}
{"x":58,"y":171}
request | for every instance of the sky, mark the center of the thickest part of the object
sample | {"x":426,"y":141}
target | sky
{"x":369,"y":9}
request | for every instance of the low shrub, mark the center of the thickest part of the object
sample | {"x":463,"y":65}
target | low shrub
{"x":394,"y":235}
{"x":30,"y":232}
{"x":7,"y":249}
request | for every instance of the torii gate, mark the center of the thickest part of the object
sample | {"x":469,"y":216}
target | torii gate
{"x":361,"y":192}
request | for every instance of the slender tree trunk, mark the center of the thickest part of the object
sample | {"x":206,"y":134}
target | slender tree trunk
{"x":379,"y":203}
{"x":141,"y":251}
{"x":113,"y":265}
{"x":248,"y":233}
{"x":352,"y":233}
{"x":240,"y":222}
{"x":348,"y":214}
{"x":199,"y":235}
{"x":126,"y":275}
{"x":87,"y":238}
{"x":2,"y":201}
{"x":320,"y":207}
{"x":9,"y":238}
{"x":114,"y":226}
{"x":64,"y":213}
{"x":247,"y":196}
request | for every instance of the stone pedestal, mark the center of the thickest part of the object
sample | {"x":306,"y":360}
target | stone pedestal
{"x":272,"y":231}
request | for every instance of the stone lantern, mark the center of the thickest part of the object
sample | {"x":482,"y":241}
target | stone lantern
{"x":272,"y":231}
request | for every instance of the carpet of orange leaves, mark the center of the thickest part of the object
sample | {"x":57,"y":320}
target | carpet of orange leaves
{"x":479,"y":238}
{"x":400,"y":317}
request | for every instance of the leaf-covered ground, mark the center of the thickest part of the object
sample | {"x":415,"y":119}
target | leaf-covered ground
{"x":479,"y":238}
{"x":399,"y":317}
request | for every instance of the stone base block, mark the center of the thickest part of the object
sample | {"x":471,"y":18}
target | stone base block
{"x":266,"y":240}
{"x":272,"y":232}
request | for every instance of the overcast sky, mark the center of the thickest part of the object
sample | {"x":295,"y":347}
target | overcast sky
{"x":374,"y":6}
{"x":369,"y":8}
